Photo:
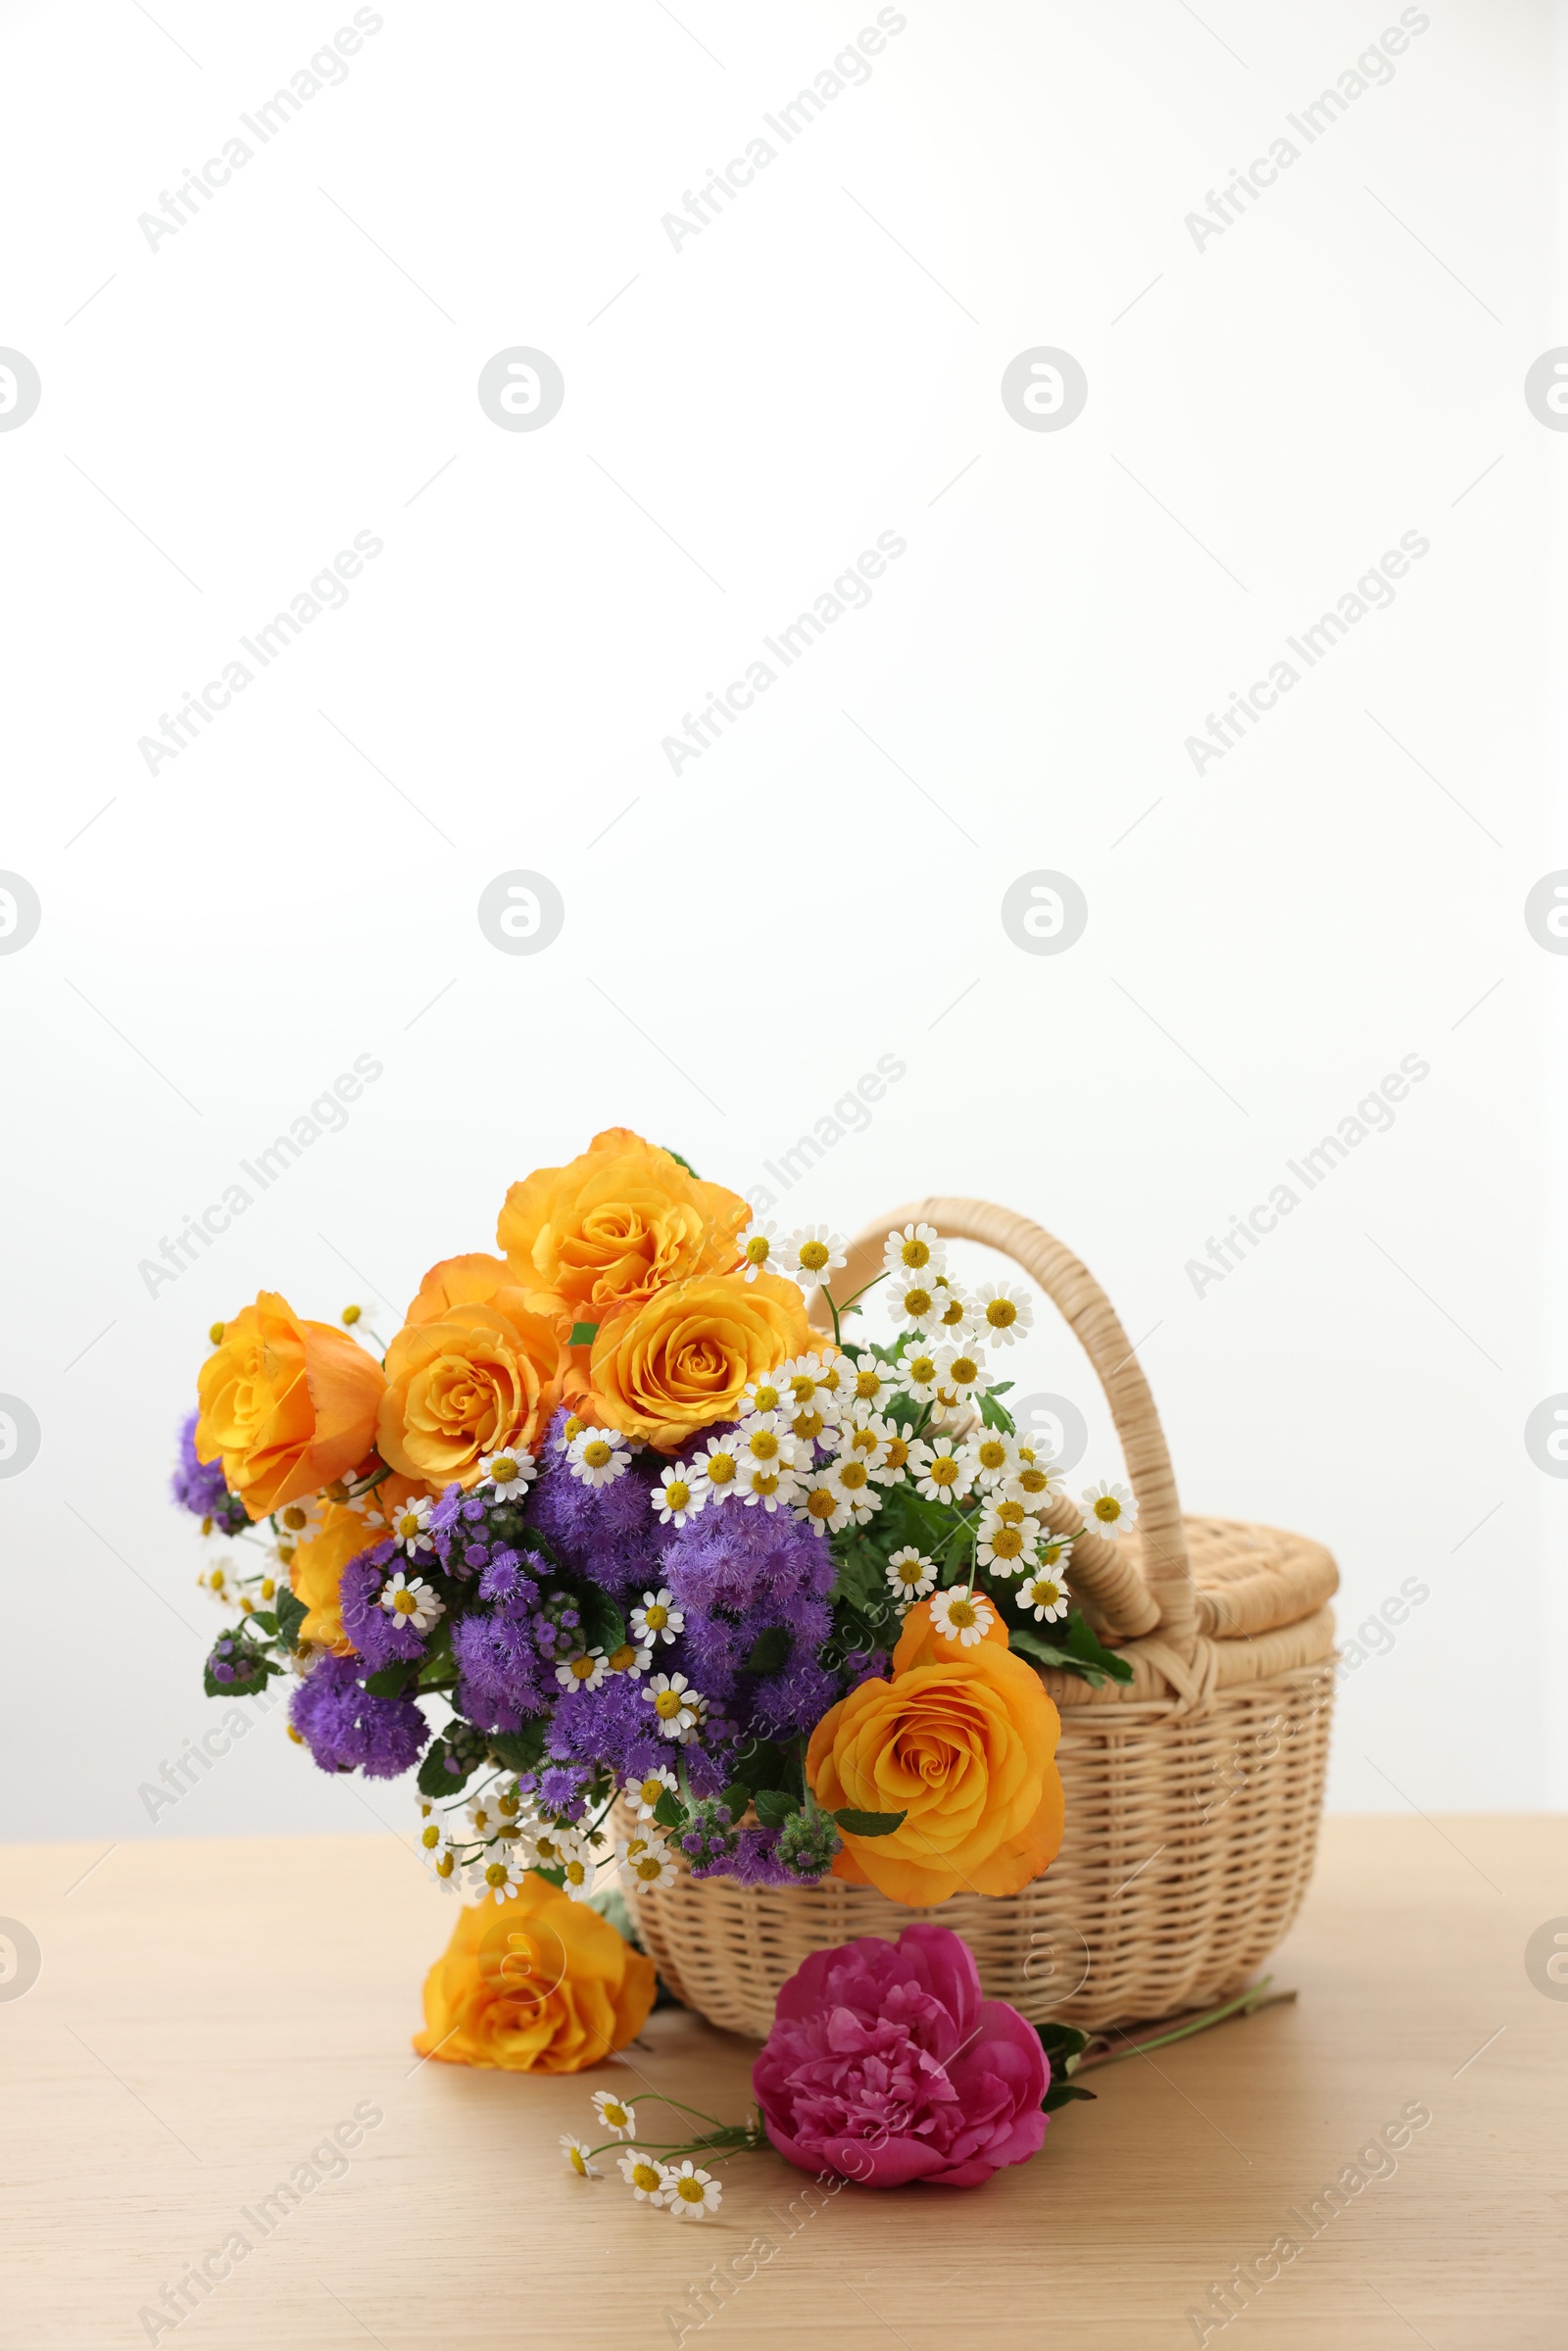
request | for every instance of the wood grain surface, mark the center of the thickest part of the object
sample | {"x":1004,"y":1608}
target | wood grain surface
{"x":206,"y":2014}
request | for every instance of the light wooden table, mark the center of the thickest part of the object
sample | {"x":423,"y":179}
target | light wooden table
{"x":206,"y":2013}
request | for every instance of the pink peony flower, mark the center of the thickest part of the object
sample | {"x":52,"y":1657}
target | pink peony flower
{"x":885,"y":2065}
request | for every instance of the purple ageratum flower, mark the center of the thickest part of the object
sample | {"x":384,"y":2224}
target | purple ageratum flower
{"x":502,"y":1674}
{"x":606,"y":1532}
{"x":381,"y":1637}
{"x":198,"y":1485}
{"x":885,"y":2063}
{"x":507,"y":1579}
{"x":755,"y":1861}
{"x":794,"y":1700}
{"x":732,"y":1556}
{"x":347,"y":1730}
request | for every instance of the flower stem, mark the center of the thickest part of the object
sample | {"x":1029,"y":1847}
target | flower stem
{"x":1245,"y":2003}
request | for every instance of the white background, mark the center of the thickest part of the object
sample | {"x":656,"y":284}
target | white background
{"x":1267,"y":413}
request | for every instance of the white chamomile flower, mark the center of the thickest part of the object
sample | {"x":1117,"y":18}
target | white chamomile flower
{"x":1108,"y":1509}
{"x":910,"y":1573}
{"x":676,"y":1705}
{"x":995,"y":1458}
{"x":644,"y":1861}
{"x":918,"y":1373}
{"x":412,"y":1601}
{"x":690,"y":2192}
{"x":809,"y":1386}
{"x":1037,"y":1480}
{"x":962,"y":1616}
{"x":764,"y":1394}
{"x":446,"y":1869}
{"x":892,"y":1464}
{"x":657,"y":1618}
{"x":644,"y":2175}
{"x":579,"y":1867}
{"x":676,"y":1496}
{"x":1002,"y":1313}
{"x":714,"y":1470}
{"x":914,"y":1251}
{"x":765,"y":1440}
{"x":646,"y":1792}
{"x":408,"y":1526}
{"x":598,"y":1456}
{"x":914,"y":1305}
{"x":850,"y":1477}
{"x":1004,"y":1548}
{"x":219,"y":1582}
{"x":549,"y":1847}
{"x":812,"y":1254}
{"x":630,"y":1659}
{"x":759,"y":1249}
{"x":484,"y":1817}
{"x":584,"y":1669}
{"x":868,"y":1385}
{"x":510,"y":1472}
{"x":576,"y":2152}
{"x":1044,"y":1595}
{"x":942,"y":1472}
{"x":962,"y":1374}
{"x":572,"y":1428}
{"x":499,"y":1874}
{"x":615,"y":2114}
{"x":818,"y":1502}
{"x":759,"y":1483}
{"x":955,"y":1317}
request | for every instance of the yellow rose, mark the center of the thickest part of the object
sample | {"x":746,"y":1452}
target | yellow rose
{"x":539,"y":1985}
{"x":286,"y":1405}
{"x":961,"y":1740}
{"x":315,"y":1572}
{"x":618,"y":1223}
{"x":480,"y":1364}
{"x":662,"y":1369}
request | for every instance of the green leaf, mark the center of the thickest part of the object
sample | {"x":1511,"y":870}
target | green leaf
{"x":1062,"y":2093}
{"x":669,"y":1812}
{"x":434,"y":1779}
{"x":602,"y":1624}
{"x":265,"y":1669}
{"x":737,"y":1796}
{"x":1062,"y":2043}
{"x":770,"y":1650}
{"x":291,"y":1614}
{"x":1084,"y":1645}
{"x":583,"y":1333}
{"x":774,"y":1807}
{"x":761,"y":1764}
{"x":518,"y":1750}
{"x":869,"y":1824}
{"x":268,"y":1622}
{"x":995,"y":1414}
{"x":391,"y":1682}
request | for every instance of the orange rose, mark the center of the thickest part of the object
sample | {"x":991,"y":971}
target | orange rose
{"x":286,"y":1405}
{"x":541,"y":1985}
{"x":618,"y":1223}
{"x":962,"y":1742}
{"x":315,"y":1572}
{"x":479,"y":1365}
{"x":665,"y":1368}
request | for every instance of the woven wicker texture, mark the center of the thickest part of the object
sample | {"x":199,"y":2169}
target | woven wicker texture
{"x":1193,"y":1792}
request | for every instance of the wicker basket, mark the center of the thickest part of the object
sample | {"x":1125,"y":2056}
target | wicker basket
{"x":1193,"y":1792}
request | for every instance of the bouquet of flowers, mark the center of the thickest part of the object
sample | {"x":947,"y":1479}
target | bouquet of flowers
{"x":641,"y":1572}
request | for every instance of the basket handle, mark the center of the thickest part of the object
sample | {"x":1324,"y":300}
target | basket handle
{"x":1129,"y":1601}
